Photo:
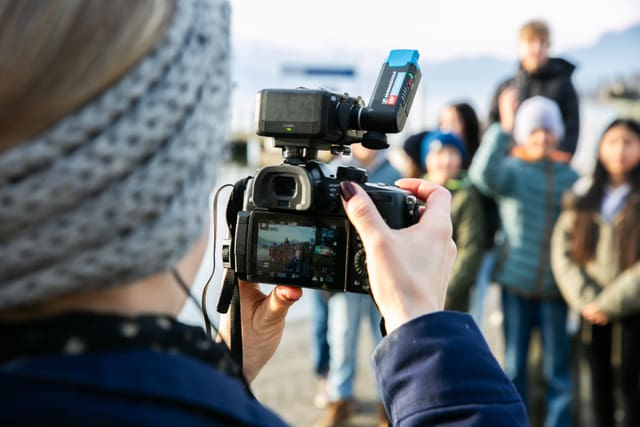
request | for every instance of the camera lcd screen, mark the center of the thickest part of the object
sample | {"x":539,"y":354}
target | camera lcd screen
{"x":292,"y":106}
{"x":293,"y":113}
{"x":299,"y":250}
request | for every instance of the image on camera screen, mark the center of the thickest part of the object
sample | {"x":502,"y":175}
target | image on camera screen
{"x":295,"y":252}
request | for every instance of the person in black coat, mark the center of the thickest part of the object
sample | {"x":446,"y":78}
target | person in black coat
{"x":540,"y":75}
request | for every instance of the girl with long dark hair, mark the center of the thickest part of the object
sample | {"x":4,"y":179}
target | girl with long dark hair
{"x":596,"y":262}
{"x":461,"y":119}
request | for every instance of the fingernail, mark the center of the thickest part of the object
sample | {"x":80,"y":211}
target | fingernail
{"x":347,"y":190}
{"x":284,"y":295}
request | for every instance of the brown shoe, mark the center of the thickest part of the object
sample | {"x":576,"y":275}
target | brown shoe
{"x":383,"y":419}
{"x":337,"y":413}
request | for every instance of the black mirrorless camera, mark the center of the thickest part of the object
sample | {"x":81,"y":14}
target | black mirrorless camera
{"x":292,"y":228}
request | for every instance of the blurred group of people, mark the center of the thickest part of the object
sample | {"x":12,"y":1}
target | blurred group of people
{"x":112,"y":126}
{"x":563,"y":248}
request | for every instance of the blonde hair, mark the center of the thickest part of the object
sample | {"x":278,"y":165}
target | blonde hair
{"x":535,"y":29}
{"x":57,"y":55}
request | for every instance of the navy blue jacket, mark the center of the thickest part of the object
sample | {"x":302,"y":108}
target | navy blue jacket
{"x":436,"y":370}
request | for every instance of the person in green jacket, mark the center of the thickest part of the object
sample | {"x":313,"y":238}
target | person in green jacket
{"x":528,"y":182}
{"x":444,"y":155}
{"x":596,"y":262}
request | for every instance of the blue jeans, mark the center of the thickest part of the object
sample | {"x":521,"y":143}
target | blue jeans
{"x":483,"y":280}
{"x":345,"y":311}
{"x":521,"y":315}
{"x":319,"y":328}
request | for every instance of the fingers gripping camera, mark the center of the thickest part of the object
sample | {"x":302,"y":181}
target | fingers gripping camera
{"x":292,"y":228}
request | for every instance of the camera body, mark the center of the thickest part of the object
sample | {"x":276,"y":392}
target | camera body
{"x":292,"y":228}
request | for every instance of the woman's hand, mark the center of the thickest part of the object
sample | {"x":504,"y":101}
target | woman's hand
{"x":593,"y":313}
{"x":263,"y":320}
{"x":408,"y":268}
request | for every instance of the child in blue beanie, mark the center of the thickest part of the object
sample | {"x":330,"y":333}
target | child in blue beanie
{"x":444,"y":155}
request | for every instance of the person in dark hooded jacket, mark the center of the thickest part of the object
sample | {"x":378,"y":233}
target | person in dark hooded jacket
{"x":540,"y":75}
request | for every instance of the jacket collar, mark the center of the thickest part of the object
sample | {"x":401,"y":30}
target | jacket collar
{"x":556,"y":156}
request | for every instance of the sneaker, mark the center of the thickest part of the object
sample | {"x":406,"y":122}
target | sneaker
{"x":383,"y":419}
{"x":321,"y":399}
{"x":337,"y":413}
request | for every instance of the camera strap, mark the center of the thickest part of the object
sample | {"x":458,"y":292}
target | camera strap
{"x":230,"y":293}
{"x":231,"y":288}
{"x":381,"y":325}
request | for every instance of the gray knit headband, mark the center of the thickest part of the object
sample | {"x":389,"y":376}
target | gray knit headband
{"x":119,"y":190}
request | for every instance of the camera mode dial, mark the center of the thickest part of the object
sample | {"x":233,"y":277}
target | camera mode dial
{"x":360,"y":263}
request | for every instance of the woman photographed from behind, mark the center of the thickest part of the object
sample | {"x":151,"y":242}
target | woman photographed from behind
{"x":113,"y":117}
{"x":596,"y":262}
{"x":112,"y":120}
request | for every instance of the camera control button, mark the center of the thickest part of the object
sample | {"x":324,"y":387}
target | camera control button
{"x":350,"y":173}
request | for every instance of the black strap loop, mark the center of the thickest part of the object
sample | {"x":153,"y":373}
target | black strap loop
{"x":230,"y":293}
{"x":236,"y":325}
{"x":383,"y":328}
{"x":226,"y":293}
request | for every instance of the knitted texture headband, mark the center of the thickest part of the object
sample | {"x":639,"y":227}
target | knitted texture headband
{"x":119,"y":190}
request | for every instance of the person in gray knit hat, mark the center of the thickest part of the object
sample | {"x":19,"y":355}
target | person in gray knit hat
{"x":112,"y":121}
{"x":536,"y":113}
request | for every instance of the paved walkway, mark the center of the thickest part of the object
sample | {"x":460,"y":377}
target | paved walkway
{"x":287,"y":383}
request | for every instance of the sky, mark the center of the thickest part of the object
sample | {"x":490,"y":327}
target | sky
{"x":269,"y":35}
{"x":439,"y":29}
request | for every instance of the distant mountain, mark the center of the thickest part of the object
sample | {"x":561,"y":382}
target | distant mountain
{"x":614,"y":55}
